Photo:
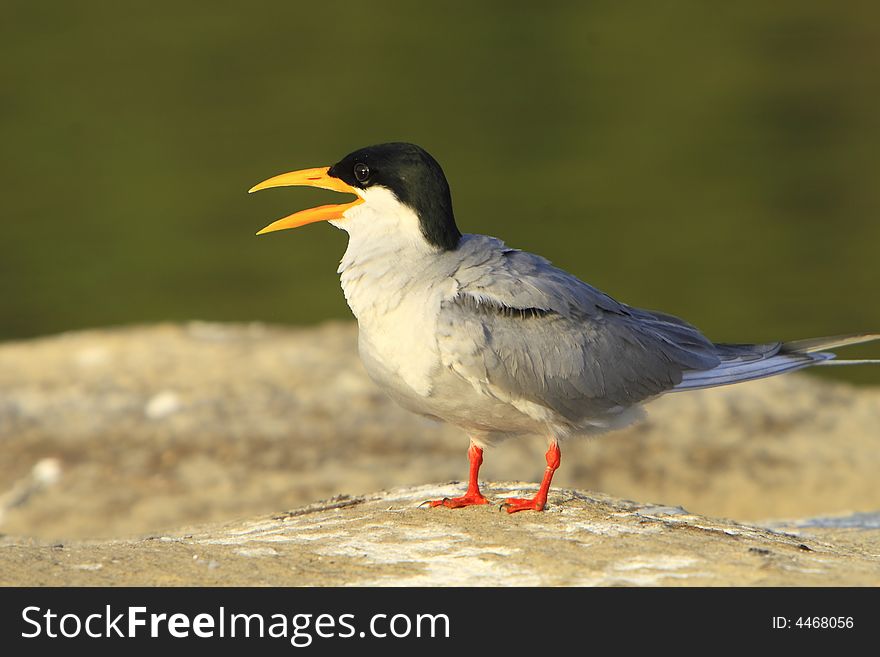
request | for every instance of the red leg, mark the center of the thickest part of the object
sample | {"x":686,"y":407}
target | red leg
{"x":514,"y":504}
{"x":473,"y":495}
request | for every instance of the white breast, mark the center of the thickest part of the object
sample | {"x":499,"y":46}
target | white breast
{"x":395,"y":282}
{"x":386,"y":280}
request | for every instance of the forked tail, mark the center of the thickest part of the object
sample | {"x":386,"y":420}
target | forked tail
{"x":744,"y":362}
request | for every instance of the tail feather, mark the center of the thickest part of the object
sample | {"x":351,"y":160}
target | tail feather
{"x":859,"y":361}
{"x":748,"y":362}
{"x":833,"y":342}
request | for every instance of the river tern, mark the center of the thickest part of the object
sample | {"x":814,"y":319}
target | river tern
{"x":498,"y":341}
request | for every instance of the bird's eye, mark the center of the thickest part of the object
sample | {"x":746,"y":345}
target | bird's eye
{"x":361,"y":172}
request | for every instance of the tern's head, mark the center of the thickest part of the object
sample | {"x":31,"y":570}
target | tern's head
{"x":397,"y":184}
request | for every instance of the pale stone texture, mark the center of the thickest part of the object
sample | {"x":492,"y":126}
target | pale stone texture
{"x":124,"y":432}
{"x":583,"y":539}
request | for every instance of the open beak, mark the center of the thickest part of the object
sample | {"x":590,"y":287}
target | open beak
{"x":308,"y":178}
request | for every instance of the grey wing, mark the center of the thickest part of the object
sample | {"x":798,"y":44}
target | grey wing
{"x":520,"y":328}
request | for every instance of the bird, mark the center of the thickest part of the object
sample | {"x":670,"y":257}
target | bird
{"x":497,"y":341}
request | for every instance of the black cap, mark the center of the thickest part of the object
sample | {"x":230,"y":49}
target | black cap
{"x":414,"y":177}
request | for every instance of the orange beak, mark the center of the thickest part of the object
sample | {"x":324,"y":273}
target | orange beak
{"x":308,"y":178}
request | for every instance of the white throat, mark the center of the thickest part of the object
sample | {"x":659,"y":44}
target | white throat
{"x":386,"y":251}
{"x":382,"y":223}
{"x":389,"y":278}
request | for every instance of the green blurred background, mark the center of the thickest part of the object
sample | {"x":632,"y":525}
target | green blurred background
{"x":716,"y":161}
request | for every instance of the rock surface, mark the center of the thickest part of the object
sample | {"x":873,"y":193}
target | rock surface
{"x":112,"y":434}
{"x":583,"y":539}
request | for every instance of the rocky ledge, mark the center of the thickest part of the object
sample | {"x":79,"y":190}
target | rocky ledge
{"x":583,"y":539}
{"x":111,"y":435}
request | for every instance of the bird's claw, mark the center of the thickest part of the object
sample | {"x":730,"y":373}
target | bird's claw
{"x":457,"y":502}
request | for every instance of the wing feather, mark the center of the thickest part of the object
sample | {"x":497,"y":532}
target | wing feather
{"x":524,"y":331}
{"x":527,"y":331}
